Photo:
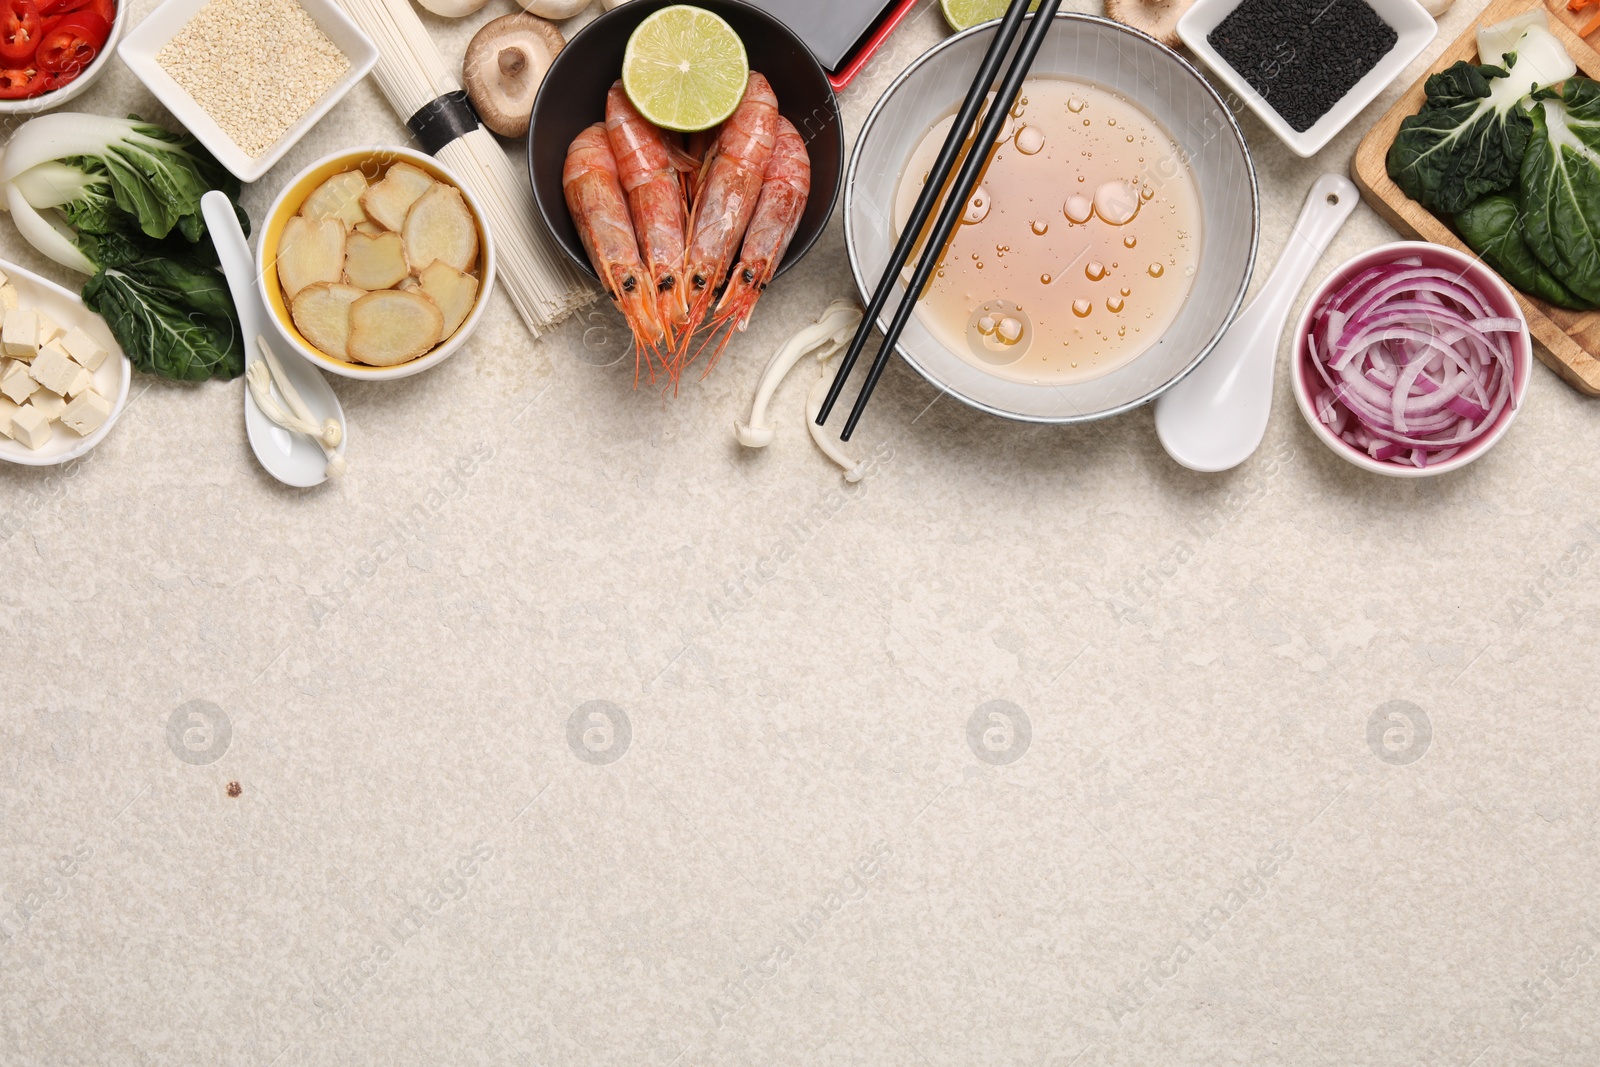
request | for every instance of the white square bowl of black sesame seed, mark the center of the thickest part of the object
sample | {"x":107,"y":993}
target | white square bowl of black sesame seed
{"x":1307,"y":67}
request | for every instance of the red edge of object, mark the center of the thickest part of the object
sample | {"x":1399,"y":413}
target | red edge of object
{"x":844,"y":77}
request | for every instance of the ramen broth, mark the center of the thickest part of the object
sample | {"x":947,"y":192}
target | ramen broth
{"x":1079,"y":247}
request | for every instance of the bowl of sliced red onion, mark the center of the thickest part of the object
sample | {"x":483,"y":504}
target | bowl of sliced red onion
{"x":1411,"y":360}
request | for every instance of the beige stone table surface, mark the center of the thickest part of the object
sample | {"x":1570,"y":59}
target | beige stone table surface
{"x":567,"y":732}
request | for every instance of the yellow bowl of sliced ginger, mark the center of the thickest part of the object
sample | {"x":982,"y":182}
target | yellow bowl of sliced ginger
{"x":375,"y":263}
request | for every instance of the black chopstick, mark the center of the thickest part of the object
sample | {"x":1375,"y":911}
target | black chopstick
{"x":954,"y":205}
{"x":1005,"y":36}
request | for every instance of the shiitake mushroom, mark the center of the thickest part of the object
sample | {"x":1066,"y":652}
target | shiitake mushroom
{"x":505,"y":63}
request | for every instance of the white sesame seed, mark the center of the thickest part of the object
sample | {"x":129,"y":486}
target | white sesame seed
{"x":255,"y":66}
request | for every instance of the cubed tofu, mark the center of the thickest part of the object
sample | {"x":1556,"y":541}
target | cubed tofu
{"x":55,"y":370}
{"x":30,"y":427}
{"x":81,"y":383}
{"x":20,"y":334}
{"x":86,"y":414}
{"x":53,"y":346}
{"x":48,"y":330}
{"x":85,"y":350}
{"x":81,"y":379}
{"x":9,"y":298}
{"x":47,"y":404}
{"x":7,"y":411}
{"x":16,"y":382}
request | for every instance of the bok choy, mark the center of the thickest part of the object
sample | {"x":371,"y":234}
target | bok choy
{"x":1511,"y":155}
{"x":1493,"y":228}
{"x":1466,"y":142}
{"x":1468,"y":139}
{"x":1561,"y":187}
{"x":119,"y":199}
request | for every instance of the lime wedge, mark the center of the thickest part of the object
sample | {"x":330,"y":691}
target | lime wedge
{"x":685,"y":69}
{"x":965,"y":14}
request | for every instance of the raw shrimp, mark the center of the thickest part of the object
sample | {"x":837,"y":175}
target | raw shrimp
{"x":698,"y":151}
{"x":728,"y":194}
{"x":784,"y":193}
{"x":648,"y":167}
{"x":595,"y":199}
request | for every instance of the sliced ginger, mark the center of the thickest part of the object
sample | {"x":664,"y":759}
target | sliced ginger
{"x":375,"y":262}
{"x":440,"y":227}
{"x":310,"y":251}
{"x":391,"y":327}
{"x":453,"y":292}
{"x":390,"y":199}
{"x":339,"y":198}
{"x":322,"y":313}
{"x":380,"y":273}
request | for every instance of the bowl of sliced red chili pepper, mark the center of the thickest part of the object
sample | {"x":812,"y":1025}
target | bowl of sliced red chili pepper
{"x":52,"y":50}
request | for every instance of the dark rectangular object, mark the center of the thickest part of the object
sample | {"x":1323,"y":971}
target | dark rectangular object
{"x":842,"y":33}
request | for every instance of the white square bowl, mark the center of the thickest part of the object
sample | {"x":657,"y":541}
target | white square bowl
{"x":1410,"y":21}
{"x":140,"y":48}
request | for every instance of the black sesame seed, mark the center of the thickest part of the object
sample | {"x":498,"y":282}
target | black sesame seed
{"x":1303,"y":56}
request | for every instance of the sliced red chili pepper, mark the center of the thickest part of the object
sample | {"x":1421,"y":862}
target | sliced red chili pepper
{"x":19,"y":31}
{"x":72,"y":43}
{"x":54,"y":9}
{"x":18,"y":84}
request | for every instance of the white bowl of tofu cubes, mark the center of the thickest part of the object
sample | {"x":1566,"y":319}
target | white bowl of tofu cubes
{"x":63,"y":378}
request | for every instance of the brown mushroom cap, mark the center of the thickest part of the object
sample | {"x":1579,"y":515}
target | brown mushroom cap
{"x":505,"y":63}
{"x":1158,"y":18}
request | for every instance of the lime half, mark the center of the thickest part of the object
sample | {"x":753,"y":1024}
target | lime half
{"x":685,"y":69}
{"x":965,"y":14}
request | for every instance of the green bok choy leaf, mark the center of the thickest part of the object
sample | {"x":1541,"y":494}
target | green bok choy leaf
{"x":119,"y":199}
{"x":1560,"y":196}
{"x":1493,"y":228}
{"x":1466,"y":142}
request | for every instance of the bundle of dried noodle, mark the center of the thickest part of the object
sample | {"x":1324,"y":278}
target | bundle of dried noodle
{"x":543,"y":285}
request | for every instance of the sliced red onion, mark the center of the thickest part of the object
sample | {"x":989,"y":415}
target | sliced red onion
{"x":1414,"y":361}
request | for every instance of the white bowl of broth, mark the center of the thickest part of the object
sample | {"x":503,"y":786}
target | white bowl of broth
{"x":1108,"y":246}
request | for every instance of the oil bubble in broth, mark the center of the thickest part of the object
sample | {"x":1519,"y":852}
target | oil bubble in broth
{"x":1113,"y":180}
{"x":999,"y":333}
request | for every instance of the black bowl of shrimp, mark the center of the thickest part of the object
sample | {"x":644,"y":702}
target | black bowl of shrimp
{"x":686,"y":231}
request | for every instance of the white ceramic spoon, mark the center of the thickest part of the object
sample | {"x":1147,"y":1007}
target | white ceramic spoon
{"x":292,"y":458}
{"x":1215,"y":418}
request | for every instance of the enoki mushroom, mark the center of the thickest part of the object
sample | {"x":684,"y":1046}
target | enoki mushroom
{"x":826,"y":337}
{"x":266,"y":372}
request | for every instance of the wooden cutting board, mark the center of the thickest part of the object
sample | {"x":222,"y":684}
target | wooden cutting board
{"x":1569,"y":341}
